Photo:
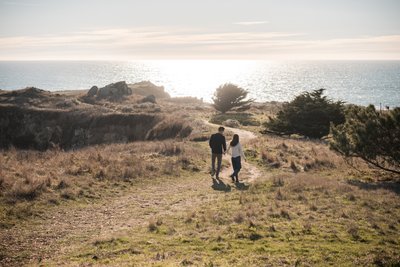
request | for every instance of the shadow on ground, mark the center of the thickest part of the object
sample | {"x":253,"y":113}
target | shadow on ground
{"x":241,"y":186}
{"x":219,"y":185}
{"x":392,"y":186}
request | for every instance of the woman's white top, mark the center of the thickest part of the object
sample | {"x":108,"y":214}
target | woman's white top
{"x":237,"y":151}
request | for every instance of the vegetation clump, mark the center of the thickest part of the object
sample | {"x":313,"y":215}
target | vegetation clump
{"x":230,"y":96}
{"x":309,"y":114}
{"x":370,"y":135}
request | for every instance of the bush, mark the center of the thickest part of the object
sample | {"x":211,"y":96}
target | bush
{"x":170,"y":128}
{"x":230,"y":96}
{"x":309,"y":114}
{"x":370,"y":135}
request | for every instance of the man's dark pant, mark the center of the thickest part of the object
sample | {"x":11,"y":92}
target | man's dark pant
{"x":217,"y":157}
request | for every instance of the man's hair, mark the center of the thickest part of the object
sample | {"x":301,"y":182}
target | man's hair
{"x":221,"y":129}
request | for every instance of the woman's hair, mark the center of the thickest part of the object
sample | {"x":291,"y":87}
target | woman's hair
{"x":235,"y":140}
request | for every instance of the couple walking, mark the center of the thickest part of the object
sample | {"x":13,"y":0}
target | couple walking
{"x":218,"y":147}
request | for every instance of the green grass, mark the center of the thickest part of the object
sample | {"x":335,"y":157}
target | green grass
{"x":269,"y":231}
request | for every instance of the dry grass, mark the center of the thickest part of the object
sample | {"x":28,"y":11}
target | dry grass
{"x":56,"y":175}
{"x":305,"y":226}
{"x":303,"y":211}
{"x":169,"y":128}
{"x":295,"y":155}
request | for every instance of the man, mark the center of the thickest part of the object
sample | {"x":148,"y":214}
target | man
{"x":218,"y":147}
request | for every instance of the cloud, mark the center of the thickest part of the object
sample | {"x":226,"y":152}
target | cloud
{"x":249,"y":23}
{"x":164,"y":42}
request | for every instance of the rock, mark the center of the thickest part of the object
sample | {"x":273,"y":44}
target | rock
{"x":231,"y":123}
{"x":146,"y":88}
{"x":92,"y":91}
{"x":149,"y":98}
{"x":114,"y":90}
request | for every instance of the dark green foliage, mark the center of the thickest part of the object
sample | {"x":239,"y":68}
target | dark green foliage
{"x":230,"y":96}
{"x":370,"y":135}
{"x":309,"y":114}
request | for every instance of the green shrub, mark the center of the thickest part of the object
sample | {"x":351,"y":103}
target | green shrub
{"x":309,"y":114}
{"x":370,"y":135}
{"x":230,"y":96}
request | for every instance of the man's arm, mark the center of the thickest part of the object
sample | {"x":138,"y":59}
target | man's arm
{"x":224,"y":143}
{"x":210,"y":142}
{"x":241,"y":152}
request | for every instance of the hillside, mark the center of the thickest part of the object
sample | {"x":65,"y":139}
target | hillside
{"x":150,"y":201}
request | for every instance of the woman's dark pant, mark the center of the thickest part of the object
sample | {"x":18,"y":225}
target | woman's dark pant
{"x":236,"y":164}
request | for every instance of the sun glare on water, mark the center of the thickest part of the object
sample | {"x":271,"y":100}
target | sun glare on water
{"x":200,"y":78}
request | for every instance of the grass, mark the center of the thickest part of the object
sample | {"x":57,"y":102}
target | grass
{"x":245,"y":119}
{"x":153,"y":204}
{"x":253,"y":227}
{"x":54,"y":176}
{"x":295,"y":155}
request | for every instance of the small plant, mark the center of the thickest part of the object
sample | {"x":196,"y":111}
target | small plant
{"x":294,"y":167}
{"x":68,"y":194}
{"x":159,"y":222}
{"x":279,"y":195}
{"x":190,"y":217}
{"x":354,"y":232}
{"x":128,"y":173}
{"x":278,"y":182}
{"x":152,"y":226}
{"x":255,"y":236}
{"x":351,"y":197}
{"x":313,"y":207}
{"x":307,"y":228}
{"x":239,"y":218}
{"x":272,"y":228}
{"x":285,"y":214}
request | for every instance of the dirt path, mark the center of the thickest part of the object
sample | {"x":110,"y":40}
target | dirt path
{"x":63,"y":229}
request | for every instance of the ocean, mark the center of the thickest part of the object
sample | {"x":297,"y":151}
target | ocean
{"x":357,"y":82}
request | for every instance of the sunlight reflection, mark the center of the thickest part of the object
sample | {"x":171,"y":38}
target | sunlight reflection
{"x":200,"y":78}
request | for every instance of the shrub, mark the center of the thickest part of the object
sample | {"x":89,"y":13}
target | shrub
{"x":370,"y":135}
{"x":309,"y":114}
{"x":29,"y":189}
{"x":230,"y":96}
{"x":170,"y":128}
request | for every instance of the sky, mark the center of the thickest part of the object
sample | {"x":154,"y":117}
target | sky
{"x":206,"y":29}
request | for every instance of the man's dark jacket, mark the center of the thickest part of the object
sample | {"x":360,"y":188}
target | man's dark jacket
{"x":217,"y":143}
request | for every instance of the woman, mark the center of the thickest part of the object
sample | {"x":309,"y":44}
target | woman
{"x":237,"y":153}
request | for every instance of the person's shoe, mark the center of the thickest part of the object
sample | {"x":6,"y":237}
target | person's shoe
{"x":233,"y":177}
{"x":212,"y":173}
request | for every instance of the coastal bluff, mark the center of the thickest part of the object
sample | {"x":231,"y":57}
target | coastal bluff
{"x":32,"y":118}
